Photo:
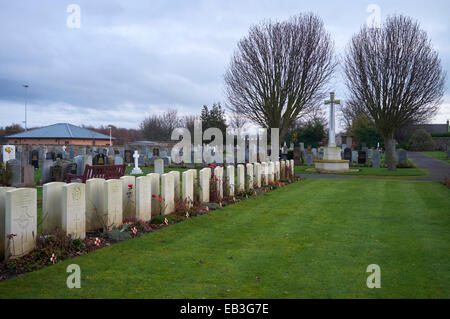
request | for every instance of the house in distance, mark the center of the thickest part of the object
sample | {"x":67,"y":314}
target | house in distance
{"x":60,"y":134}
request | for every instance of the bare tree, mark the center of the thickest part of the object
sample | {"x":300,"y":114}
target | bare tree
{"x":351,"y":110}
{"x":237,"y":120}
{"x":280,"y":69}
{"x":160,"y":127}
{"x":396,"y":75}
{"x":188,"y":122}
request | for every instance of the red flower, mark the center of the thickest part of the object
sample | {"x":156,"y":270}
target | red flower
{"x":130,"y":186}
{"x":214,"y":165}
{"x":217,"y":179}
{"x":160,"y":199}
{"x":154,"y":196}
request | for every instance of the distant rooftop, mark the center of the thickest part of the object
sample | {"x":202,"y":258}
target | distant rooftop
{"x":61,"y":130}
{"x":144,"y":143}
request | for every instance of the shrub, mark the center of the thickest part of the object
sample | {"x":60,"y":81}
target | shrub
{"x":440,"y":134}
{"x":5,"y":174}
{"x":421,"y":140}
{"x":118,"y":234}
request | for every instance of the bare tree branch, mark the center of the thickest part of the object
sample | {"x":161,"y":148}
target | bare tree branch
{"x":396,"y":76}
{"x":279,"y":70}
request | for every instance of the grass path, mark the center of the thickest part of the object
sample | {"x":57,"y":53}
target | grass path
{"x":371,"y":171}
{"x":311,"y":239}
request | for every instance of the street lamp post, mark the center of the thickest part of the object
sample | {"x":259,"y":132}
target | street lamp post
{"x":110,"y":136}
{"x":26,"y":101}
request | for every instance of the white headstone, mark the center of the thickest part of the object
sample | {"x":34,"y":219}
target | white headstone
{"x":282,"y":169}
{"x":188,"y":187}
{"x":194,"y":174}
{"x":87,"y":160}
{"x":52,"y":206}
{"x":80,"y":165}
{"x":128,"y":196}
{"x":167,"y":194}
{"x":74,"y":210}
{"x":271,"y":172}
{"x":95,"y":210}
{"x":154,"y":182}
{"x":292,"y":167}
{"x":176,"y":183}
{"x":3,"y":239}
{"x":218,"y":174}
{"x":250,"y":176}
{"x":277,"y":171}
{"x":230,"y":179}
{"x":204,"y":176}
{"x":257,"y":175}
{"x":9,"y":152}
{"x":264,"y":173}
{"x":21,"y":220}
{"x":240,"y":179}
{"x":143,"y":198}
{"x":113,"y":202}
{"x":159,"y":166}
{"x":136,"y":170}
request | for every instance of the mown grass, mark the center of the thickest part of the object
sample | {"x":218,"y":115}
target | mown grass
{"x":311,"y":239}
{"x":442,"y":156}
{"x":370,"y":171}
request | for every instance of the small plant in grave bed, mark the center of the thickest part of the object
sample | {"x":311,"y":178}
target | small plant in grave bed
{"x":212,"y":206}
{"x":78,"y":245}
{"x":119,"y":234}
{"x":172,"y":219}
{"x":141,"y":226}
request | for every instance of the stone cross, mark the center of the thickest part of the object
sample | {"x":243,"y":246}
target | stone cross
{"x":136,"y":169}
{"x":331,"y":132}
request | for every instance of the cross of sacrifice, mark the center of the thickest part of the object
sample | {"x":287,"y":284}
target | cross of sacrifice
{"x":331,"y":130}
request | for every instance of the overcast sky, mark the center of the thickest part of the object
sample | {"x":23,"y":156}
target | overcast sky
{"x":130,"y":59}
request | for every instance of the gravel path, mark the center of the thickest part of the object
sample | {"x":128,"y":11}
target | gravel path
{"x":438,"y":170}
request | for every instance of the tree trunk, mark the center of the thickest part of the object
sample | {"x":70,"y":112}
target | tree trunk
{"x":389,"y":155}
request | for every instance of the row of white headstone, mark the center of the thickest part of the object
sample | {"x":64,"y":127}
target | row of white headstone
{"x":76,"y":208}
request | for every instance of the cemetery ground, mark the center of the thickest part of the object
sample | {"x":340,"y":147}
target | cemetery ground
{"x":310,"y":239}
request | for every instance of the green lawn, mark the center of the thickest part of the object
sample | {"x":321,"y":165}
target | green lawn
{"x":311,"y":239}
{"x":438,"y":155}
{"x":369,"y":171}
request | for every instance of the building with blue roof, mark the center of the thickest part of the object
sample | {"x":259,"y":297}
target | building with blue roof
{"x":60,"y":134}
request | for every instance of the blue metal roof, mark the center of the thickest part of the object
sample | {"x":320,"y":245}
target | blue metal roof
{"x":61,"y":130}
